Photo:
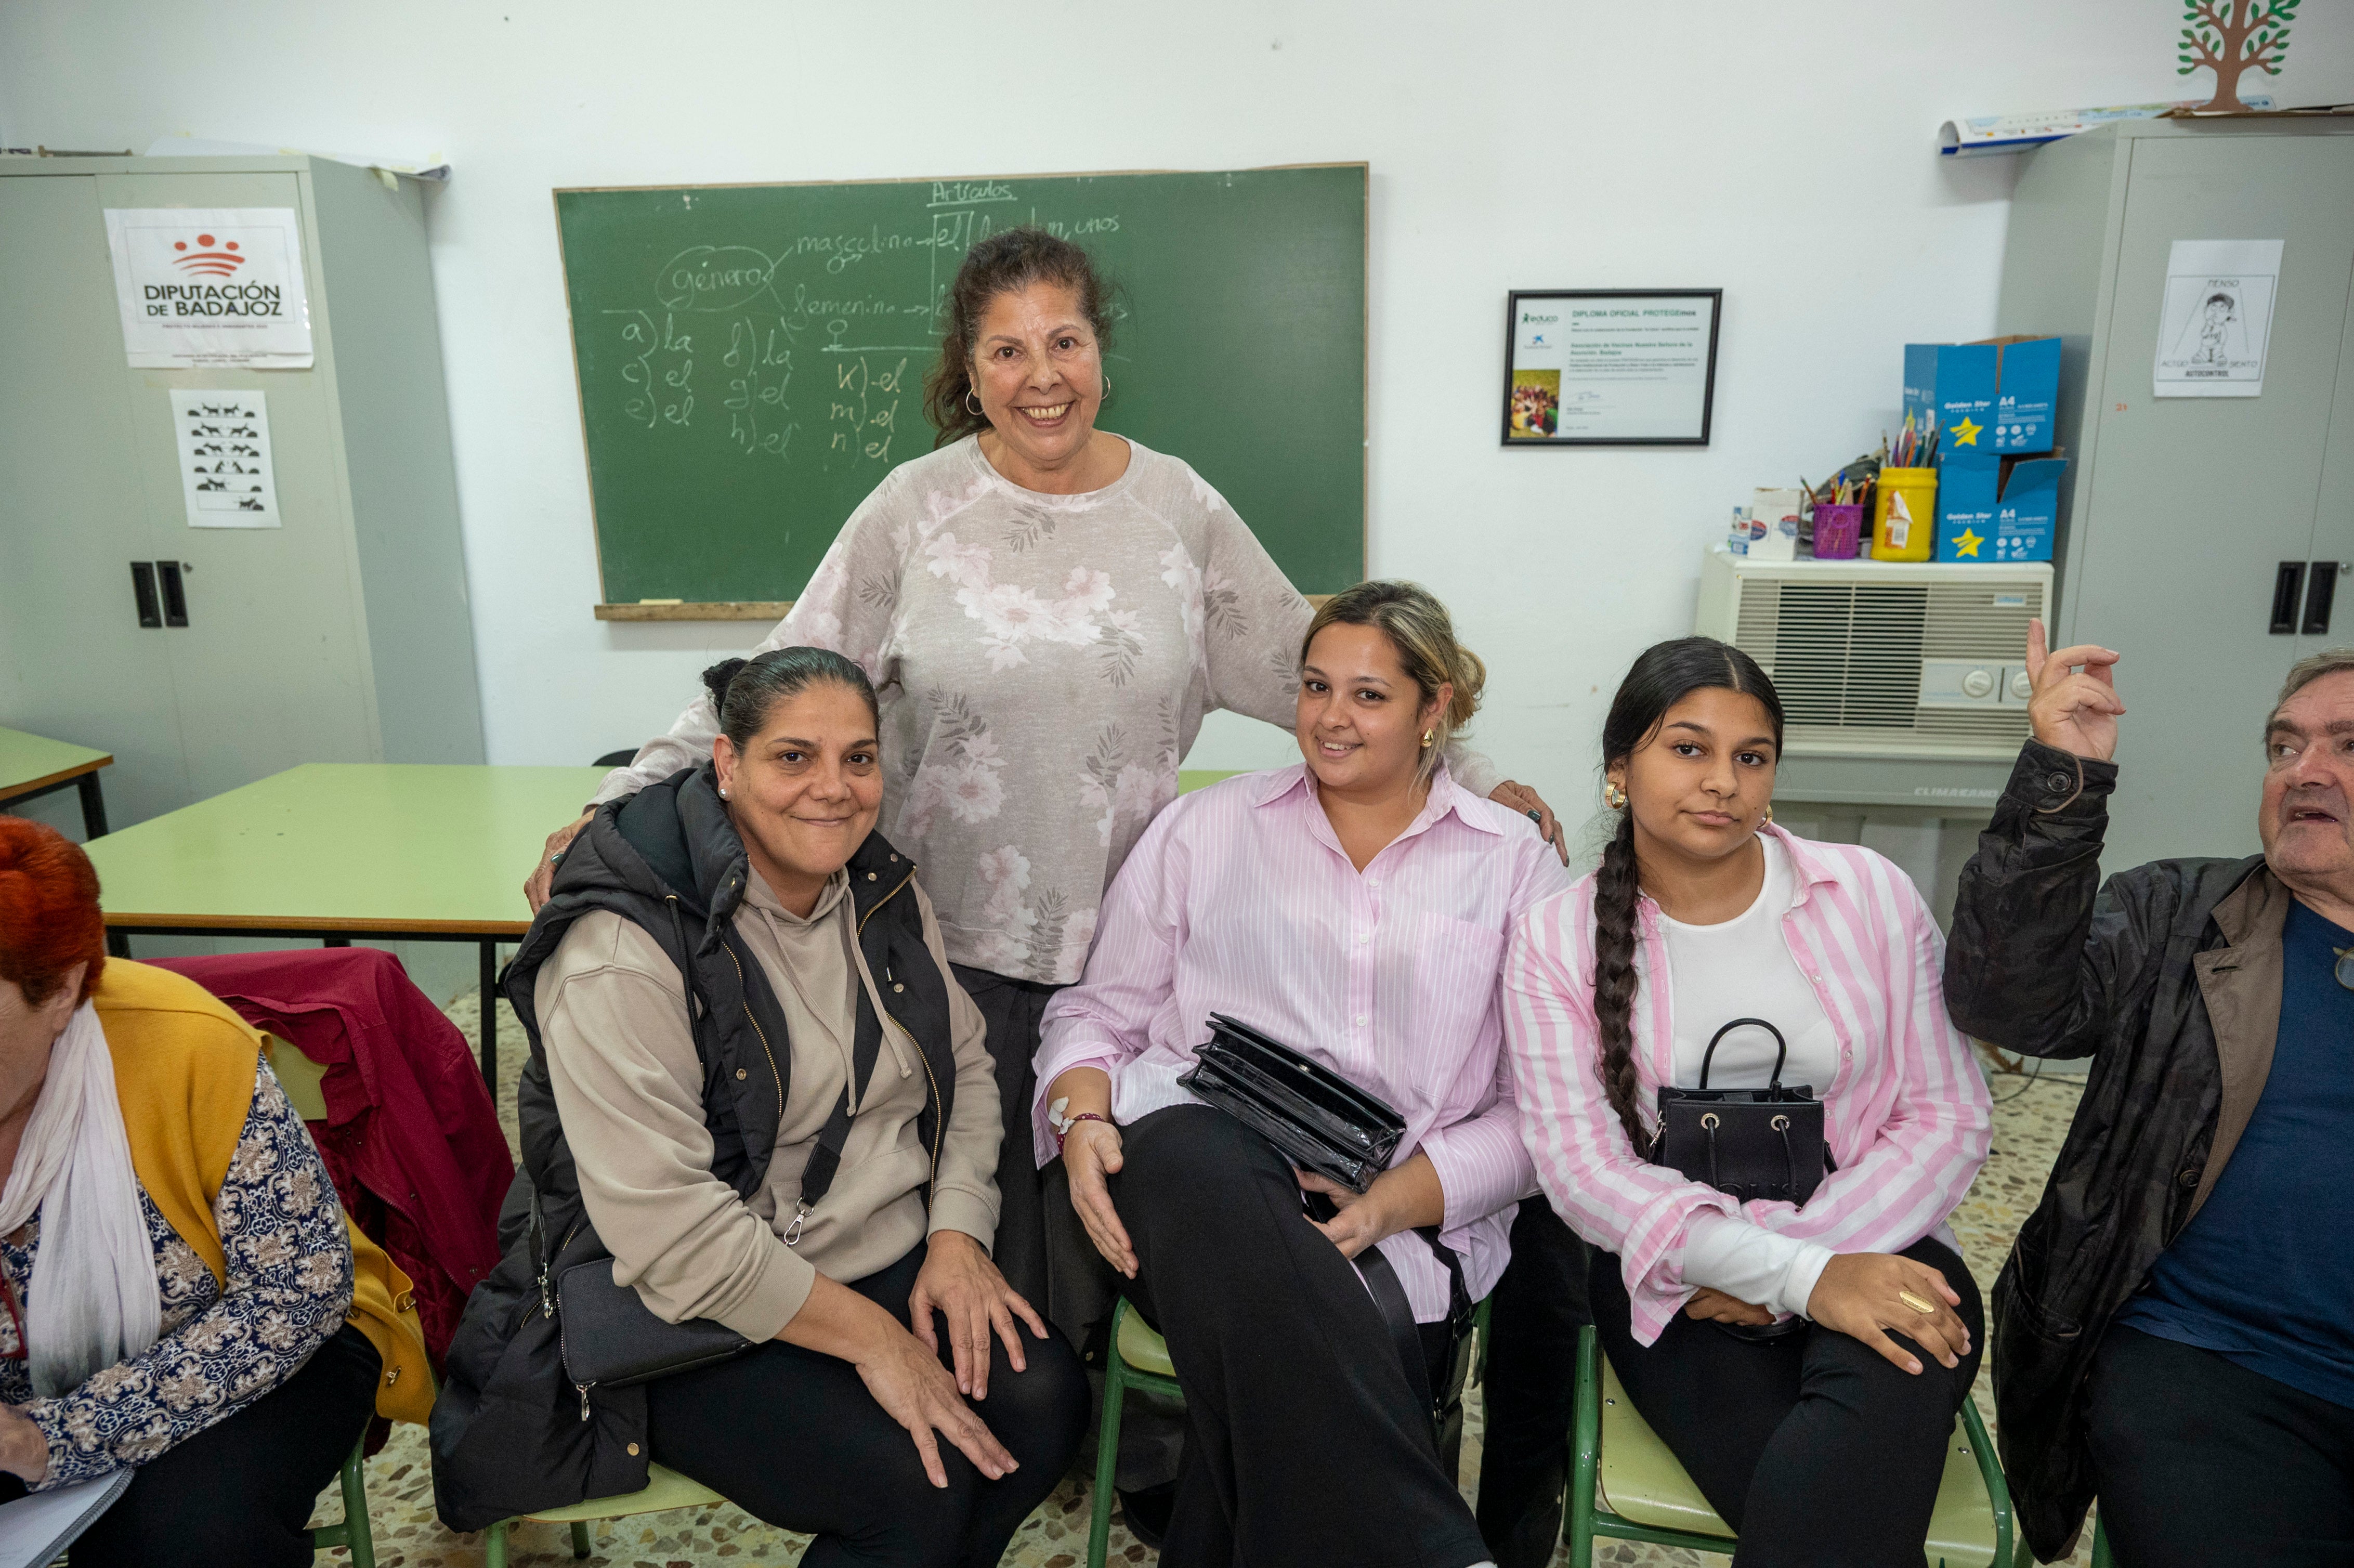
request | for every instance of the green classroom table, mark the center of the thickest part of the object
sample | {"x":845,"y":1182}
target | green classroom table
{"x":346,"y":852}
{"x":32,"y":766}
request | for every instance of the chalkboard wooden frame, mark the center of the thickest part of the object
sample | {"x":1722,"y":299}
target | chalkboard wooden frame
{"x":609,"y":608}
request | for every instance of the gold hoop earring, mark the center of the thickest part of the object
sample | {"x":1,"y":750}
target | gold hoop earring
{"x":1425,"y":739}
{"x":969,"y":400}
{"x":1105,"y":392}
{"x":1769,"y":810}
{"x":1613,"y":797}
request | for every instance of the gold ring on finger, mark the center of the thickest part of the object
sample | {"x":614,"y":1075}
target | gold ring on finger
{"x":1924,"y":1308}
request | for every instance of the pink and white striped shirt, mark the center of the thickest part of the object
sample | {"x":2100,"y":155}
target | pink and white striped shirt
{"x":1907,"y":1117}
{"x":1239,"y":900}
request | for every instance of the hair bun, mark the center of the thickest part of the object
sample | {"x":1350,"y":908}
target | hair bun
{"x":716,"y":678}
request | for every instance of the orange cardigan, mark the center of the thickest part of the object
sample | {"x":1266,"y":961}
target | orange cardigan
{"x":184,"y":1070}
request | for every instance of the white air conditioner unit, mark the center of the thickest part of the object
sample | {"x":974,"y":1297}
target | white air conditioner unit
{"x":1920,"y":663}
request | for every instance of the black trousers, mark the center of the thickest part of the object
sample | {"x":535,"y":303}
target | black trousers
{"x":240,"y":1493}
{"x":2199,"y":1460}
{"x":793,"y":1437}
{"x":1815,"y":1449}
{"x":1304,"y":1443}
{"x":1534,"y":1317}
{"x":1012,"y":1009}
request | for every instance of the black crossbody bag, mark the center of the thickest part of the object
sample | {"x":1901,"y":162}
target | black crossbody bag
{"x":1748,"y":1143}
{"x":1322,"y":1123}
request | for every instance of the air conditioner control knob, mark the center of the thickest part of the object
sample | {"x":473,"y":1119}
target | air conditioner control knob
{"x":2021,"y":685}
{"x":1978,"y":684}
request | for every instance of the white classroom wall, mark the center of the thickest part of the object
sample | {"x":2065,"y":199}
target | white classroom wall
{"x":1784,"y":153}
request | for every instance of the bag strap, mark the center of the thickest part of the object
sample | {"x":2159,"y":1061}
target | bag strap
{"x":1397,"y":1316}
{"x":1781,"y":1050}
{"x":825,"y":1159}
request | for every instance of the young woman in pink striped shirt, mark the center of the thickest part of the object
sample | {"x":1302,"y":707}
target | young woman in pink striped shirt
{"x":1824,"y":1444}
{"x":1354,"y":908}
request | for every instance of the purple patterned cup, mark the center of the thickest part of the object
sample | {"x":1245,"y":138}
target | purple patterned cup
{"x":1839,"y":532}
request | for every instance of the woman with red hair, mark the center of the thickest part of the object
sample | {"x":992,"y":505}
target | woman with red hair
{"x":182,"y":1295}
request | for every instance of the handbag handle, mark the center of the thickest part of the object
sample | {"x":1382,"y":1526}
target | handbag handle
{"x":1781,"y":1050}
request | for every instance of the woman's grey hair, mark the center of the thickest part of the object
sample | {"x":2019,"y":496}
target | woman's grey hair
{"x":2304,"y":672}
{"x":744,"y":691}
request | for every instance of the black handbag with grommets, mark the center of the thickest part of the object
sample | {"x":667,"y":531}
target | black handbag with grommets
{"x":1750,"y":1144}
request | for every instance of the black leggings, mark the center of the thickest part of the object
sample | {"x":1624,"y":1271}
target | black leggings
{"x":1305,"y":1444}
{"x":1534,"y":1317}
{"x":2199,"y":1460}
{"x":240,"y":1493}
{"x":793,"y":1437}
{"x":1815,"y":1449}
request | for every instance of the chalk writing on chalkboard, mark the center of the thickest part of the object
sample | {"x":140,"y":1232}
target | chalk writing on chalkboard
{"x":751,"y":358}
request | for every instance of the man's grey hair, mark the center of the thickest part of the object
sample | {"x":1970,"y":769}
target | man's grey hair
{"x":2304,"y":672}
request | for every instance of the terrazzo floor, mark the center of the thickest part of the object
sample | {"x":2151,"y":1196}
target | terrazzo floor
{"x":2030,"y":1119}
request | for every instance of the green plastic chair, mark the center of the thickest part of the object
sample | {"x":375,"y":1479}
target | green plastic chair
{"x":354,"y":1531}
{"x":1137,"y":1358}
{"x":1625,"y":1484}
{"x":2101,"y":1559}
{"x":665,"y":1488}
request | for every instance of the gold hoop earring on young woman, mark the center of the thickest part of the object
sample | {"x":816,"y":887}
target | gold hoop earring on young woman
{"x":1425,"y":739}
{"x":1769,"y":810}
{"x":969,"y":401}
{"x":1613,"y":797}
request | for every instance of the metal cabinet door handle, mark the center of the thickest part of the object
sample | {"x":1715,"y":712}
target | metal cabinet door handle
{"x":143,"y":590}
{"x":175,"y":596}
{"x":2320,"y":592}
{"x":2287,"y":588}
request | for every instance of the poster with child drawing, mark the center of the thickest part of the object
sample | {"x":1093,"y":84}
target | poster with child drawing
{"x":2217,"y":319}
{"x":224,"y":446}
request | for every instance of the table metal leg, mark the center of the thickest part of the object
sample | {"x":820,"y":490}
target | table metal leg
{"x":93,"y":808}
{"x":491,"y":1018}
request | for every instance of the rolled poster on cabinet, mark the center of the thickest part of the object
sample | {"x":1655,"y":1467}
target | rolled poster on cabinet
{"x":225,"y":473}
{"x":2217,"y":319}
{"x":207,"y":287}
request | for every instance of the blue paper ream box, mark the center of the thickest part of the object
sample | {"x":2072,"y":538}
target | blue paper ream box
{"x":2005,"y":388}
{"x":1998,"y":509}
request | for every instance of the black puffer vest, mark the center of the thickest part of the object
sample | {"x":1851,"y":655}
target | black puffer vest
{"x":509,"y":1434}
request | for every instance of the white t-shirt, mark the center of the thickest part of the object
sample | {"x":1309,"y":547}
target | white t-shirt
{"x":1742,"y":968}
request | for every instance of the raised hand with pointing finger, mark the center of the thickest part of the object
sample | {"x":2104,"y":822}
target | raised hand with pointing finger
{"x":2075,"y":705}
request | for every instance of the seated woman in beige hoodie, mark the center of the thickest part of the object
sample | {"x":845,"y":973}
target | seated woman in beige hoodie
{"x":778,"y":1113}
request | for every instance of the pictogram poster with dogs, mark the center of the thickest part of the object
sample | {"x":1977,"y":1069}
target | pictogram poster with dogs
{"x":224,"y":445}
{"x":203,"y":286}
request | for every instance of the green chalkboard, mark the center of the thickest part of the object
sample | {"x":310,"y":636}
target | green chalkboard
{"x":751,"y":358}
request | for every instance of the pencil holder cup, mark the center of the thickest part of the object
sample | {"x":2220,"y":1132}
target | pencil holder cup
{"x":1905,"y":516}
{"x":1838,"y":531}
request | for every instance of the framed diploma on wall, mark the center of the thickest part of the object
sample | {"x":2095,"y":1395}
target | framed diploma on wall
{"x":1610,"y":367}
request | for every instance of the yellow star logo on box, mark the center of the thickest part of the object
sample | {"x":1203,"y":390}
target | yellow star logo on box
{"x":1967,"y":434}
{"x":1967,"y":543}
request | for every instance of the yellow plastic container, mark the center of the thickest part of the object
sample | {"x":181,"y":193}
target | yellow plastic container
{"x":1904,"y":515}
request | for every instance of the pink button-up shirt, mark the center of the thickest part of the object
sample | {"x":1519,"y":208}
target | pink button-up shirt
{"x":1239,"y":900}
{"x":1907,"y":1117}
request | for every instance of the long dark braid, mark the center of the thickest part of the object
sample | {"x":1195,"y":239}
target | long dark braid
{"x":1662,"y":676}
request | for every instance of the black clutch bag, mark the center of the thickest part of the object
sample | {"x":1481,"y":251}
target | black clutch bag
{"x":1320,"y":1121}
{"x":610,"y":1338}
{"x":1750,"y":1143}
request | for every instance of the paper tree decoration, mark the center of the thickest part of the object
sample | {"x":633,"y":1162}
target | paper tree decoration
{"x":2231,"y":36}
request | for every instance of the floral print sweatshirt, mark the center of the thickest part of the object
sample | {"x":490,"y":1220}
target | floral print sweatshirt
{"x":1044,"y":664}
{"x":289,"y":1285}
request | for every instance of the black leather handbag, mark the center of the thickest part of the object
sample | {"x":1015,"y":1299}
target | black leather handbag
{"x":1750,"y":1143}
{"x":1322,"y":1123}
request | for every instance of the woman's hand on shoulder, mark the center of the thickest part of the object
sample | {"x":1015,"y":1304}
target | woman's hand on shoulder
{"x":535,"y":885}
{"x":1528,"y":802}
{"x":1091,"y":1152}
{"x":1864,"y":1294}
{"x":1711,"y":1306}
{"x":24,"y":1452}
{"x":960,"y":1282}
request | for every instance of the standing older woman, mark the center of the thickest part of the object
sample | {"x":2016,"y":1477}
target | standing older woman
{"x":1048,"y":610}
{"x":183,"y":1297}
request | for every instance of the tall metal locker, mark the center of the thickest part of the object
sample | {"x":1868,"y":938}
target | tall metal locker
{"x":2181,"y":513}
{"x":341,"y":636}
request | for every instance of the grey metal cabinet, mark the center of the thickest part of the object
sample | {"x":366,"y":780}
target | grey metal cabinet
{"x":342,"y":636}
{"x":2179,"y":513}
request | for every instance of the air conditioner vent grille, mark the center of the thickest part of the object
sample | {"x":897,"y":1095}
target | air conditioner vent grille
{"x":1845,"y":656}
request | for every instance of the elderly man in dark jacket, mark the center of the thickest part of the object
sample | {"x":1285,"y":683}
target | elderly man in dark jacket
{"x":2175,"y":1329}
